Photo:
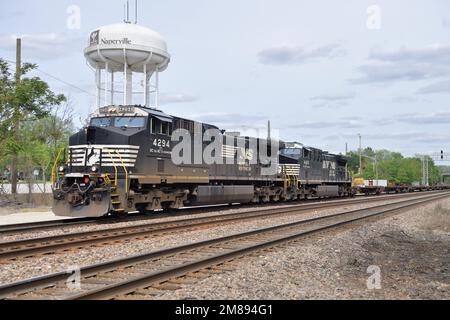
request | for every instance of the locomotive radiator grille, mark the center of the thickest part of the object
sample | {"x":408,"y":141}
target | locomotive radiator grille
{"x":109,"y":155}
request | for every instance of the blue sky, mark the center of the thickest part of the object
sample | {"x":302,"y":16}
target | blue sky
{"x":321,"y":71}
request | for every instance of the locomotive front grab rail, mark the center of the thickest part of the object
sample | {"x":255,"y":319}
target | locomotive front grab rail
{"x":126,"y":172}
{"x":54,"y":174}
{"x":114,"y":165}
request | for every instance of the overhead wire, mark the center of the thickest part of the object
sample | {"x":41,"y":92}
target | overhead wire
{"x":56,"y":78}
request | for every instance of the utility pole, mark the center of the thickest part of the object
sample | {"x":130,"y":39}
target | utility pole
{"x":346,"y":163}
{"x":376,"y":166}
{"x":360,"y":155}
{"x":15,"y":160}
{"x":423,"y":170}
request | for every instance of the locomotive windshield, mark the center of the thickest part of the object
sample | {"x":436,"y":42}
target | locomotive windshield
{"x":129,"y":122}
{"x":119,"y":122}
{"x":101,"y":122}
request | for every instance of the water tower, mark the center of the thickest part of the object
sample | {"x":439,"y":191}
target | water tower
{"x":120,"y":52}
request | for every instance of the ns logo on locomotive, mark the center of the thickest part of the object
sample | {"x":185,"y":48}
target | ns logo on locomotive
{"x":137,"y":158}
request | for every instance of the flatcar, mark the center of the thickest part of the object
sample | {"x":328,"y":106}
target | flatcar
{"x":124,"y":161}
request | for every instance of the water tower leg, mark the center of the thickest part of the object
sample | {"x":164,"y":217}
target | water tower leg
{"x":112,"y":87}
{"x":145,"y":86}
{"x":106,"y":83}
{"x":129,"y":87}
{"x":127,"y":78}
{"x":147,"y":89}
{"x":98,"y":79}
{"x":157,"y":88}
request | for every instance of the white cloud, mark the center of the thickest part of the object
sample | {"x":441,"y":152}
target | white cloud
{"x":334,"y":97}
{"x":446,"y":22}
{"x":425,"y":118}
{"x":168,"y":98}
{"x":404,"y":99}
{"x":42,"y":45}
{"x":436,"y":54}
{"x":332,"y":100}
{"x":288,"y":55}
{"x":12,"y":14}
{"x":224,"y":117}
{"x":342,"y":123}
{"x":438,"y":87}
{"x":405,"y":64}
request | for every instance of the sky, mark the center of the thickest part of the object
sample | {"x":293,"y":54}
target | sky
{"x":321,"y":71}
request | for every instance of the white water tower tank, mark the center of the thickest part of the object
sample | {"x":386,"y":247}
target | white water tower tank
{"x":126,"y":48}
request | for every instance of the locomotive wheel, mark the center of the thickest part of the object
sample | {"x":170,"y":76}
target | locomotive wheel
{"x":142,"y":209}
{"x":119,"y":214}
{"x":167,"y":206}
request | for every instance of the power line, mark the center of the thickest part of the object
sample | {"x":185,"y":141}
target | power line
{"x":57,"y":79}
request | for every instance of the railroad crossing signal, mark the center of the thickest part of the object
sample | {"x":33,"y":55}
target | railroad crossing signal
{"x":442,"y":154}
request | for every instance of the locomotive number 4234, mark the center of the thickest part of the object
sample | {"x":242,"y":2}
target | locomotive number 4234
{"x":161,"y":143}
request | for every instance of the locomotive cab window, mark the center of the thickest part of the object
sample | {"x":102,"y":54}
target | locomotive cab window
{"x":160,"y":126}
{"x":291,"y":151}
{"x":306,"y":154}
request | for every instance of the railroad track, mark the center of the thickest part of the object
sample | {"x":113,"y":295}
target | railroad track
{"x":75,"y":222}
{"x":143,"y":275}
{"x":11,"y":250}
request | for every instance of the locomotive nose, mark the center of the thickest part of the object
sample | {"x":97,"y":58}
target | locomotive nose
{"x":97,"y":135}
{"x":90,"y":135}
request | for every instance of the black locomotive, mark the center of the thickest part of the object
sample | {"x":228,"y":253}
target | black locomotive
{"x":124,"y":162}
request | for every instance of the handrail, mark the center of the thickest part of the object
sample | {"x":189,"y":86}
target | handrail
{"x":126,"y":172}
{"x":114,"y":165}
{"x":54,"y":166}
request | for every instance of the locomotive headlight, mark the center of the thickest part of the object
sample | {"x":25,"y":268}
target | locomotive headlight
{"x":94,"y":169}
{"x":61,"y":169}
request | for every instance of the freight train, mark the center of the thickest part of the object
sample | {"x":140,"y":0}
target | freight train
{"x":124,"y":161}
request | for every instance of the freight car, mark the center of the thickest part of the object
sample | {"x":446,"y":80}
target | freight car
{"x":377,"y":187}
{"x":129,"y":159}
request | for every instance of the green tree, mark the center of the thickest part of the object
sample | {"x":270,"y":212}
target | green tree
{"x":25,"y":100}
{"x":392,"y":166}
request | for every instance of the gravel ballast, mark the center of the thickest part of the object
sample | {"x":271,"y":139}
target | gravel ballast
{"x":332,"y":266}
{"x":24,"y":268}
{"x":411,"y":250}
